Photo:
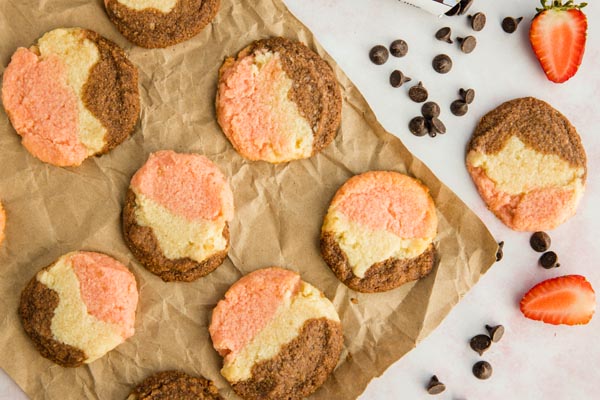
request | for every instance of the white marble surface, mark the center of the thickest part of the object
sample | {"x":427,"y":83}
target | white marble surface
{"x":534,"y":360}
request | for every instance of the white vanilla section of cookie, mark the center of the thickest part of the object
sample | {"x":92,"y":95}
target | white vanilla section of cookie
{"x":71,"y":323}
{"x":365,"y":247}
{"x":291,"y":123}
{"x":164,"y":6}
{"x":309,"y":303}
{"x":177,"y":236}
{"x":79,"y":55}
{"x":534,"y":170}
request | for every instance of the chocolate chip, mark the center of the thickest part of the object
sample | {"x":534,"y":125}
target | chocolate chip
{"x":500,"y":252}
{"x":468,"y":44}
{"x":453,"y":11}
{"x":478,"y":21}
{"x":480,"y":343}
{"x":442,"y":63}
{"x":549,"y":260}
{"x":397,"y":78}
{"x":399,"y":48}
{"x":435,"y":386}
{"x":496,"y":332}
{"x":379,"y":55}
{"x":510,"y":24}
{"x":418,"y":126}
{"x":468,"y":95}
{"x":540,"y":241}
{"x":353,"y":300}
{"x":430,"y":110}
{"x":418,"y":93}
{"x":444,"y":34}
{"x":459,"y":108}
{"x":482,"y":370}
{"x":464,"y":6}
{"x":436,"y":126}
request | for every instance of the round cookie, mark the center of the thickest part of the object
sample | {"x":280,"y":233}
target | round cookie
{"x":2,"y":223}
{"x":176,"y":216}
{"x":280,"y":337}
{"x":278,"y":101}
{"x":378,"y":231}
{"x":175,"y":385}
{"x":528,"y":164}
{"x":160,"y":23}
{"x":79,"y":308}
{"x":71,"y":96}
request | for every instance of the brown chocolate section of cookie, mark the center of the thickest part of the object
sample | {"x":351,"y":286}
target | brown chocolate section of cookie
{"x":301,"y":366}
{"x":380,"y":277}
{"x":315,"y":89}
{"x":111,"y":92}
{"x":36,"y":309}
{"x":152,"y":28}
{"x":536,"y":124}
{"x":145,"y":247}
{"x":175,"y":385}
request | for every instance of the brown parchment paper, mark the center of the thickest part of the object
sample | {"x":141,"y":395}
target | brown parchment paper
{"x":279,"y":210}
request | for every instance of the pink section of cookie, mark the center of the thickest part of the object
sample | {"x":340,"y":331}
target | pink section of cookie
{"x":245,"y":108}
{"x":385,"y":200}
{"x":189,"y":185}
{"x":248,"y":306}
{"x":540,"y":209}
{"x":108,"y":289}
{"x":43,"y":108}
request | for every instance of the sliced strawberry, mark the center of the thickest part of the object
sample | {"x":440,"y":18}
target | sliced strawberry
{"x":568,"y":300}
{"x":558,"y":36}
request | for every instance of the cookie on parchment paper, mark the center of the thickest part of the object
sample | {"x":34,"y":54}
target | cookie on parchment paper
{"x":79,"y":308}
{"x":160,"y":23}
{"x":528,"y":164}
{"x":71,"y":96}
{"x":175,"y":385}
{"x":278,"y":101}
{"x":379,"y":230}
{"x":279,"y":336}
{"x":176,"y":216}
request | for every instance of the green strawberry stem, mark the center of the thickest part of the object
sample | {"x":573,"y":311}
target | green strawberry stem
{"x":558,"y":5}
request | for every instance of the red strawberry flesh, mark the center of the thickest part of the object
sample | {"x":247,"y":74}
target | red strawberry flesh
{"x":568,"y":300}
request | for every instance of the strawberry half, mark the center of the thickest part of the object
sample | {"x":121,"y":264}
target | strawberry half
{"x":558,"y":35}
{"x":568,"y":300}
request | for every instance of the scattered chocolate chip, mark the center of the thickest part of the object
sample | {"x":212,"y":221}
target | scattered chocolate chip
{"x":444,"y":34}
{"x":436,"y":126}
{"x":540,"y":241}
{"x":354,"y":300}
{"x":430,"y":110}
{"x":379,"y":55}
{"x":435,"y":386}
{"x":399,"y":48}
{"x":500,"y":252}
{"x":418,"y":93}
{"x":480,"y":343}
{"x":453,"y":11}
{"x":549,"y":260}
{"x":397,"y":78}
{"x":496,"y":332}
{"x":478,"y":21}
{"x":482,"y":370}
{"x":418,"y":126}
{"x":464,"y":6}
{"x":510,"y":24}
{"x":468,"y":95}
{"x":459,"y":108}
{"x":442,"y":63}
{"x":467,"y":44}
